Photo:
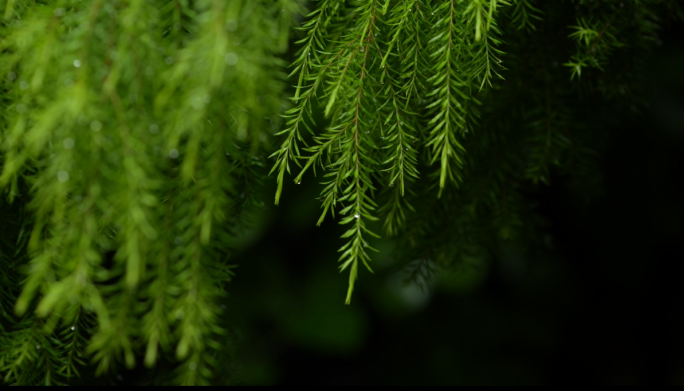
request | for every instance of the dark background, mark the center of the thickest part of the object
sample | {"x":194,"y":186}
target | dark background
{"x":601,"y":308}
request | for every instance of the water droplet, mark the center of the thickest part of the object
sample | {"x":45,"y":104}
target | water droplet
{"x":231,"y":58}
{"x":197,"y":103}
{"x":73,"y":328}
{"x":169,"y":60}
{"x":193,"y":366}
{"x":180,"y":314}
{"x":173,"y":154}
{"x":231,"y":25}
{"x":299,"y":183}
{"x":24,"y":85}
{"x":77,"y":63}
{"x":356,"y":216}
{"x":63,"y":176}
{"x":96,"y":126}
{"x":38,"y":347}
{"x":68,"y":143}
{"x":154,"y":129}
{"x":12,"y":76}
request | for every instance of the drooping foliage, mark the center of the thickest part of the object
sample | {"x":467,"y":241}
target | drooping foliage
{"x":442,"y":113}
{"x":135,"y":132}
{"x":134,"y":127}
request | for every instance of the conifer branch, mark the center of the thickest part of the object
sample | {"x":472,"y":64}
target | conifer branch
{"x":134,"y":135}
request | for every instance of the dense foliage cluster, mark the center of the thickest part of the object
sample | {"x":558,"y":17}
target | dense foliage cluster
{"x":133,"y":133}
